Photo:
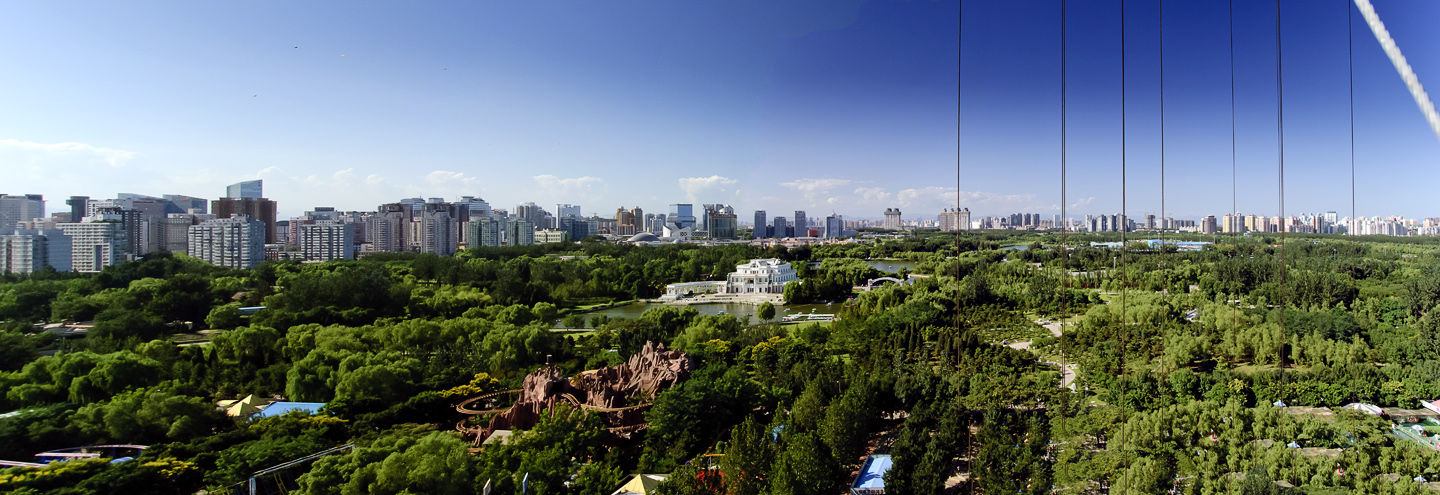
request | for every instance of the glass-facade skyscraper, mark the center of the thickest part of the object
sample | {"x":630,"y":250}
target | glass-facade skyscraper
{"x":682,"y":215}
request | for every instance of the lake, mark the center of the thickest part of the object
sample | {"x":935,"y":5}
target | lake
{"x":891,"y":265}
{"x":744,"y":311}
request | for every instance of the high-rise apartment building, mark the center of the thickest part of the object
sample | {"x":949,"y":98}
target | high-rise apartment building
{"x":952,"y":219}
{"x":389,"y":229}
{"x":438,"y":229}
{"x":95,"y":244}
{"x":236,"y":242}
{"x":627,"y":222}
{"x":259,"y":209}
{"x":801,"y":225}
{"x":892,"y":219}
{"x":56,"y":244}
{"x":520,"y":232}
{"x":251,"y":189}
{"x":326,"y":240}
{"x":761,"y":227}
{"x":1208,"y":225}
{"x":23,"y":253}
{"x":485,"y":232}
{"x":533,"y":213}
{"x":15,"y":208}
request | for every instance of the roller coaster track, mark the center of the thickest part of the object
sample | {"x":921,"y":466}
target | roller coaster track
{"x":629,"y":429}
{"x":589,"y":407}
{"x":462,"y":409}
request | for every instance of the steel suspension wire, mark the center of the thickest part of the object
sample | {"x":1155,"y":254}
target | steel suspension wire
{"x":1350,"y":38}
{"x":960,"y":230}
{"x":1064,"y":217}
{"x":1234,"y":197}
{"x":1280,"y":131}
{"x":1162,"y":126}
{"x":1124,"y":260}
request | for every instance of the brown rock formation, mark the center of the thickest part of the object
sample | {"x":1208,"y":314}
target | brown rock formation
{"x":607,"y":390}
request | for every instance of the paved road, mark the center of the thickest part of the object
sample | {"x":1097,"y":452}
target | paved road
{"x":1068,"y":378}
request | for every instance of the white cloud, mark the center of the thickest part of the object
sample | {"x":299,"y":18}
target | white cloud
{"x":816,"y":188}
{"x":448,"y":178}
{"x":1082,"y":202}
{"x":69,"y":151}
{"x":873,"y":194}
{"x":694,"y":186}
{"x":576,"y":186}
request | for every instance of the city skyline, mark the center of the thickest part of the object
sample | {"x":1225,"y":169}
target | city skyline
{"x":818,"y":107}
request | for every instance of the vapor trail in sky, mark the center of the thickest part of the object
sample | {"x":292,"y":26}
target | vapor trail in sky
{"x":1411,"y":81}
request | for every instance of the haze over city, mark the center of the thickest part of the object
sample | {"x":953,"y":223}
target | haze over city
{"x":846,"y":108}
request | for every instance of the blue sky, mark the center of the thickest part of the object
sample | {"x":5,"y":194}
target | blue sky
{"x":821,"y":106}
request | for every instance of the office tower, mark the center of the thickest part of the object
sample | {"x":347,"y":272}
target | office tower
{"x":327,"y":240}
{"x":79,"y":207}
{"x":414,"y":204}
{"x":722,"y":225}
{"x":892,"y":219}
{"x":472,"y":207}
{"x":520,"y":232}
{"x":759,"y":232}
{"x":578,"y":228}
{"x":781,"y":228}
{"x":251,"y":189}
{"x":95,"y":245}
{"x":183,"y":204}
{"x":655,"y":223}
{"x":834,"y":226}
{"x":235,"y":242}
{"x":257,"y":208}
{"x":682,"y":215}
{"x":567,"y":210}
{"x":15,"y":208}
{"x":174,"y":232}
{"x":801,"y":224}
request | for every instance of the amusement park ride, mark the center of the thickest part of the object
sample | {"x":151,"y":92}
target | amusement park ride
{"x":612,"y":391}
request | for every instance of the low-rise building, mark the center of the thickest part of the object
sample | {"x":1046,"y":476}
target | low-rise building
{"x":763,"y":276}
{"x":549,"y":236}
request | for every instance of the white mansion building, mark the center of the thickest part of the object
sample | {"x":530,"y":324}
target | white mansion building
{"x":763,"y":276}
